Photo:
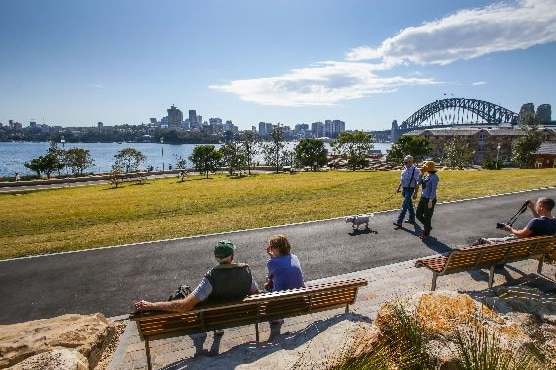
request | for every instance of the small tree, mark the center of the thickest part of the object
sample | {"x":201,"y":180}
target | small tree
{"x":417,"y":146}
{"x":35,"y":165}
{"x":129,"y":159}
{"x":78,"y":160}
{"x":311,"y":151}
{"x":232,"y":156}
{"x":116,"y":175}
{"x":250,"y":143}
{"x":205,"y":159}
{"x":525,"y":147}
{"x":181,"y":165}
{"x":458,"y":153}
{"x":273,"y":150}
{"x":353,"y":146}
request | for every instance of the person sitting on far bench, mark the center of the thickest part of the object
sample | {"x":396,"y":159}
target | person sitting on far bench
{"x":542,"y":223}
{"x":225,"y":282}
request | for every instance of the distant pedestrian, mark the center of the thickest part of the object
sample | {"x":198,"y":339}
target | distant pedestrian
{"x":425,"y":208}
{"x":408,"y":182}
{"x":17,"y":178}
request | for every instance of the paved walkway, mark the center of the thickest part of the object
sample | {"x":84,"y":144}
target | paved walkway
{"x":237,"y":346}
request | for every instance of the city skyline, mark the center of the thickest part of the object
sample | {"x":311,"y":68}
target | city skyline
{"x":366,"y":63}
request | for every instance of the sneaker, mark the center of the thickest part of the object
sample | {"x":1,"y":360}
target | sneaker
{"x":219,"y":332}
{"x":277,"y":322}
{"x":410,"y":221}
{"x":423,"y":236}
{"x":397,"y":224}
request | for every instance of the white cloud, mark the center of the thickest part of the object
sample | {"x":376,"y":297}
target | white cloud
{"x":479,"y":83}
{"x":98,"y":86}
{"x":466,"y":34}
{"x":326,"y":83}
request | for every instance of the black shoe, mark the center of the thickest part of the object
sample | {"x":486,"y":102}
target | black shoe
{"x":397,"y":224}
{"x":500,"y":266}
{"x":410,"y":222}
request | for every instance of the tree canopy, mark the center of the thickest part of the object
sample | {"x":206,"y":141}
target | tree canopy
{"x":353,"y":146}
{"x":416,"y":146}
{"x":205,"y":159}
{"x":311,"y":151}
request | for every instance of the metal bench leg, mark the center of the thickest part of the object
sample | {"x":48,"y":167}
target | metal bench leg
{"x":539,"y":267}
{"x":257,"y":331}
{"x":490,"y":277}
{"x":433,"y":286}
{"x":148,"y":351}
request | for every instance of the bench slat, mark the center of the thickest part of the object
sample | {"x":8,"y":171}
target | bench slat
{"x":489,"y":255}
{"x":251,"y":310}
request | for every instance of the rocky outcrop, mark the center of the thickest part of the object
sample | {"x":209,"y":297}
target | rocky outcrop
{"x":520,"y":317}
{"x":66,"y":342}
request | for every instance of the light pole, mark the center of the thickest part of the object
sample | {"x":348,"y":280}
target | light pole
{"x":162,"y":143}
{"x":497,"y":155}
{"x":63,"y":141}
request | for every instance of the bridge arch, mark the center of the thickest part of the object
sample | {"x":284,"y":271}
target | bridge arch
{"x":459,"y":111}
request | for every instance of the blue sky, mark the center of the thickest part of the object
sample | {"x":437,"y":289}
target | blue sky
{"x":366,"y":62}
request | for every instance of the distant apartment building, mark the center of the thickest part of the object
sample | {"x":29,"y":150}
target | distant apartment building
{"x":175,"y":117}
{"x":333,"y":128}
{"x":317,"y":129}
{"x":194,"y":121}
{"x":544,"y":112}
{"x":265,"y":128}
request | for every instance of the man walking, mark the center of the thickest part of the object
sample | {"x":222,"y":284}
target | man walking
{"x":408,"y":182}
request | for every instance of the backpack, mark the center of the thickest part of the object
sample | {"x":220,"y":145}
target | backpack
{"x":182,"y":292}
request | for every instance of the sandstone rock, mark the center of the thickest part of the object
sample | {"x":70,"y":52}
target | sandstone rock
{"x":83,"y":334}
{"x":441,"y":314}
{"x":58,"y":359}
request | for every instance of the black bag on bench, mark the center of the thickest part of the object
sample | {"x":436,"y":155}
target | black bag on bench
{"x":182,"y":292}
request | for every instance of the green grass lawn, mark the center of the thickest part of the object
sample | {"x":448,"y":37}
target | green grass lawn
{"x":77,"y":218}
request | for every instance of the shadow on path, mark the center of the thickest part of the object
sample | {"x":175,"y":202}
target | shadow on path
{"x":251,"y":351}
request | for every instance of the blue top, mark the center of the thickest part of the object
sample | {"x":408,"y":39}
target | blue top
{"x":429,"y":183}
{"x":409,"y":176}
{"x":542,"y":226}
{"x":285,"y":272}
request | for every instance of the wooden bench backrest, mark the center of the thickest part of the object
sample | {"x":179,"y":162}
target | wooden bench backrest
{"x":253,"y":309}
{"x":487,"y":254}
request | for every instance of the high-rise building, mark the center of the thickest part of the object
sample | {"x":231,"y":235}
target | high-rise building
{"x":527,"y":108}
{"x":317,"y":129}
{"x":193,"y":122}
{"x":265,"y":128}
{"x":175,"y":117}
{"x":544,"y":113}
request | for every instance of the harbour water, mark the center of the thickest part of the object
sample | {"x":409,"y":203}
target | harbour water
{"x":13,"y":155}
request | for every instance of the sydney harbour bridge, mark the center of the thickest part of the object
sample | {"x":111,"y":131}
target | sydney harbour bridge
{"x":450,"y":113}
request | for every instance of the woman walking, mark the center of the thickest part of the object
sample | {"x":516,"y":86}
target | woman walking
{"x":425,"y":209}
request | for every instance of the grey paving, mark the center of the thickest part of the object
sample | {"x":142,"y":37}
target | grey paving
{"x":237,"y":346}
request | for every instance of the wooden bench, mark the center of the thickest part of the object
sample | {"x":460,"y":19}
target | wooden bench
{"x":488,"y":256}
{"x":138,"y":177}
{"x":252,"y":310}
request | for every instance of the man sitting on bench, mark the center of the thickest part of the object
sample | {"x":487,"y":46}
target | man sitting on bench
{"x":542,"y":223}
{"x":225,"y":282}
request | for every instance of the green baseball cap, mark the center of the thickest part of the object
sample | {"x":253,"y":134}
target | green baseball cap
{"x":224,"y":248}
